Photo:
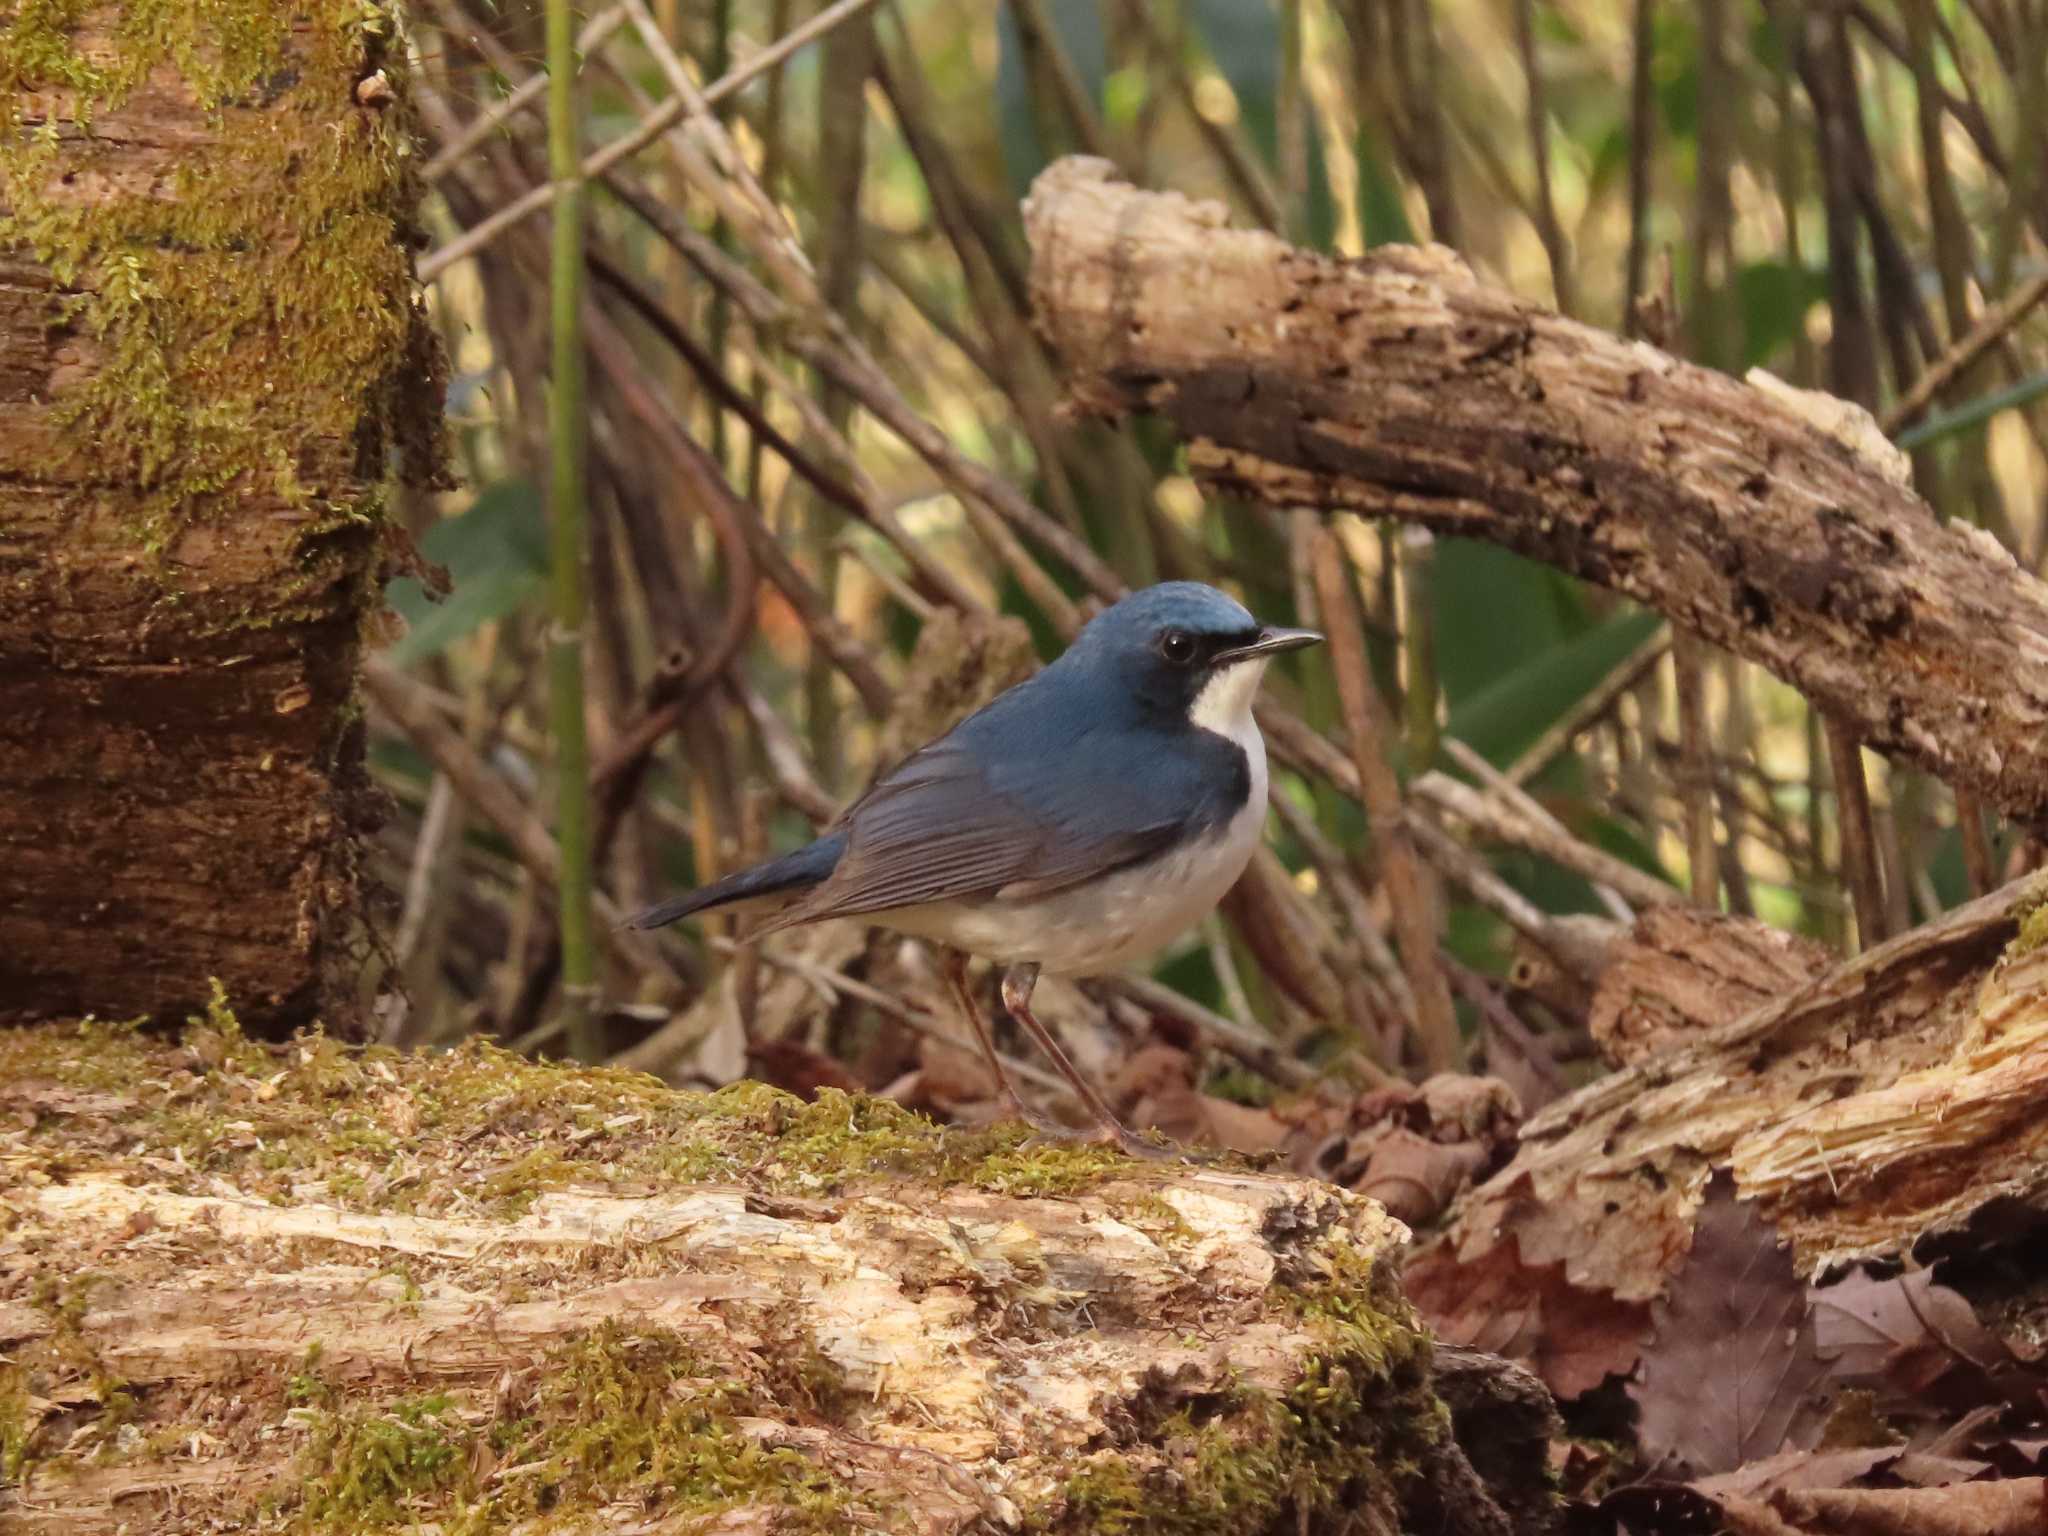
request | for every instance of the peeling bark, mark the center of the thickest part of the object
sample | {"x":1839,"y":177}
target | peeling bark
{"x":1773,"y":522}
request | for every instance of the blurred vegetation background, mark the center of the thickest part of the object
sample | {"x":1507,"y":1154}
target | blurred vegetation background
{"x":832,"y":500}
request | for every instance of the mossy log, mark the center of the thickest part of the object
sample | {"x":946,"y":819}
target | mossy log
{"x":302,"y":1287}
{"x":210,"y":350}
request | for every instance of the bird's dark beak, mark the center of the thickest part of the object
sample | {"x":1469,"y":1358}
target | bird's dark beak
{"x":1271,"y":641}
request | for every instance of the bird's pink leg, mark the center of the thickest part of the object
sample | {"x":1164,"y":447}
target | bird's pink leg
{"x":956,"y":977}
{"x":1018,"y":982}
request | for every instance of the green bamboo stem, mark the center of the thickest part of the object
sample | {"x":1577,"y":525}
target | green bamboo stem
{"x":567,"y":595}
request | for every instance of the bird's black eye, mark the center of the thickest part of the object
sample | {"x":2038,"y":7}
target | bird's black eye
{"x":1177,"y":646}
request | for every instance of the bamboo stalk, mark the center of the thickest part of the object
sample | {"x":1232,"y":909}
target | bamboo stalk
{"x":568,"y":599}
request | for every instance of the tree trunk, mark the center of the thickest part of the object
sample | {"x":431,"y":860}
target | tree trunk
{"x":209,"y":350}
{"x":299,"y":1286}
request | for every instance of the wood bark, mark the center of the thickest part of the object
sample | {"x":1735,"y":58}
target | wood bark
{"x":1774,"y":522}
{"x":1874,"y":1111}
{"x":305,"y":1287}
{"x":209,"y":346}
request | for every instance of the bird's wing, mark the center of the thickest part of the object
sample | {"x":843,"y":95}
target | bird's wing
{"x":959,"y":820}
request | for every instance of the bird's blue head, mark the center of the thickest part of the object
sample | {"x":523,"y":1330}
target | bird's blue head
{"x":1183,"y":651}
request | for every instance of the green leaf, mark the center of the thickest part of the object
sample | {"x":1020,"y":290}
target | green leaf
{"x":1507,"y":716}
{"x":1077,"y":24}
{"x":1775,"y":297}
{"x":1974,"y":413}
{"x":506,"y":524}
{"x":1492,"y":610}
{"x":496,"y":554}
{"x":476,"y":602}
{"x":1382,"y":216}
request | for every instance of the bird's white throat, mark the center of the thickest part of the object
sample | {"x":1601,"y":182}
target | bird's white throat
{"x":1225,"y":703}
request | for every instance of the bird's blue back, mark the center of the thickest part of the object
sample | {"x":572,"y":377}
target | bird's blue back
{"x":1076,"y":746}
{"x":1088,"y":767}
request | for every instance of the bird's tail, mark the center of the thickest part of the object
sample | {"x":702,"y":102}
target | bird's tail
{"x":797,"y":871}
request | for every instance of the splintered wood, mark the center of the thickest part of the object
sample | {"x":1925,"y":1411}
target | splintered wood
{"x":231,"y":1288}
{"x":1869,"y":1112}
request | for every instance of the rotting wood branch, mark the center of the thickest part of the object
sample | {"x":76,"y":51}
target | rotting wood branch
{"x":1771,"y":521}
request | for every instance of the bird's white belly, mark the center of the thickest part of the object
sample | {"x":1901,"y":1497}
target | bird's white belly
{"x":1106,"y":924}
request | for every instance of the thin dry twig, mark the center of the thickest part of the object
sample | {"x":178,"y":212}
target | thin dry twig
{"x":496,"y":801}
{"x":1526,"y":806}
{"x":527,"y":93}
{"x":1991,"y":328}
{"x":481,"y":234}
{"x":1413,"y":894}
{"x":1548,"y":227}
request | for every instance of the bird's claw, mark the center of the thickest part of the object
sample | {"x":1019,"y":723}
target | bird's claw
{"x":1110,"y":1134}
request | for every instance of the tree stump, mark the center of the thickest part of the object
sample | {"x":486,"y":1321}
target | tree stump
{"x":304,"y":1287}
{"x":210,"y":347}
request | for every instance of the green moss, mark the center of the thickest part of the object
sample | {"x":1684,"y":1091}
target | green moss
{"x":479,"y":1128}
{"x":2031,"y":913}
{"x":243,"y":315}
{"x":307,"y":1387}
{"x":1333,"y":1452}
{"x":384,"y":1466}
{"x":1311,"y":1459}
{"x":15,"y":1429}
{"x":613,"y":1417}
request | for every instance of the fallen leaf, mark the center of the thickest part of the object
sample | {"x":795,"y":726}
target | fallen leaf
{"x":1799,"y":1469}
{"x":1413,"y":1177}
{"x":1573,"y":1339}
{"x":2018,"y":1507}
{"x":1731,"y":1373}
{"x":1907,"y":1334}
{"x":1917,"y":1469}
{"x":798,"y":1069}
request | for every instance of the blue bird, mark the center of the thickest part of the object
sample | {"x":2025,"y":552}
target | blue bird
{"x":1076,"y":824}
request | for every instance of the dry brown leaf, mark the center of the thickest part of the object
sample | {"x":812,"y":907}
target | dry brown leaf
{"x":1573,"y":1339}
{"x":1798,"y":1469}
{"x":1201,"y":1119}
{"x":796,"y":1068}
{"x":1413,"y":1177}
{"x":1919,"y":1469}
{"x":2018,"y":1507}
{"x":1906,"y":1333}
{"x":1751,"y":1517}
{"x":1412,"y":1148}
{"x":1731,"y":1373}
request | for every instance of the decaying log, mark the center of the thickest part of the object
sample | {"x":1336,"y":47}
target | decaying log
{"x":1870,"y":1113}
{"x":1773,"y":522}
{"x":1681,"y":972}
{"x":301,"y":1287}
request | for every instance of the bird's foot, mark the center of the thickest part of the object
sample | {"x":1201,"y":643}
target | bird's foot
{"x":1110,"y":1133}
{"x":1131,"y":1144}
